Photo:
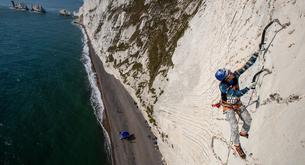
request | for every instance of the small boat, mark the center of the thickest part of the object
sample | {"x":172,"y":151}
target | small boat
{"x":38,"y":9}
{"x":20,"y":6}
{"x":64,"y":12}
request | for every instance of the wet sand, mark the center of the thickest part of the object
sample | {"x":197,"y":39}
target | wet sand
{"x":123,"y":114}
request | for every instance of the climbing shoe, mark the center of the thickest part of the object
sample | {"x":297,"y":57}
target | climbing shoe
{"x":240,"y":151}
{"x":244,"y":134}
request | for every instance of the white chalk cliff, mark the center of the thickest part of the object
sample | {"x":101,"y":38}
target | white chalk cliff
{"x":166,"y":52}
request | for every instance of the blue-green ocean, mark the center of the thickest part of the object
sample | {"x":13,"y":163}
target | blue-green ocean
{"x":46,"y":113}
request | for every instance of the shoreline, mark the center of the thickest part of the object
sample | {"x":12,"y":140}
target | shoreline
{"x":96,"y":92}
{"x":122,"y":114}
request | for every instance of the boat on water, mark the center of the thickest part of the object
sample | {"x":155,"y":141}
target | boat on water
{"x":38,"y":8}
{"x":64,"y":12}
{"x":19,"y":6}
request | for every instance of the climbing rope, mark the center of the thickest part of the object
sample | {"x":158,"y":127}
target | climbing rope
{"x":256,"y":79}
{"x":262,"y":51}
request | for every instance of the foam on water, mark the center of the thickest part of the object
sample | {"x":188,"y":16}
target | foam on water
{"x":95,"y":98}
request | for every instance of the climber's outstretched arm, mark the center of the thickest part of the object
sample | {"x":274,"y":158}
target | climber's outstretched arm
{"x":249,"y":63}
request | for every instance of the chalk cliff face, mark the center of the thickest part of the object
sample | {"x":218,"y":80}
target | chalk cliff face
{"x":166,"y":53}
{"x":136,"y":41}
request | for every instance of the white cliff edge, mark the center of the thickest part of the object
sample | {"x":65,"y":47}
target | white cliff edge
{"x":219,"y":34}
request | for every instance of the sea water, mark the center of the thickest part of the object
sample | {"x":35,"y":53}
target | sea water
{"x":46,"y":98}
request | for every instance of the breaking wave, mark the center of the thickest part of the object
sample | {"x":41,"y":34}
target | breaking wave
{"x":95,"y":97}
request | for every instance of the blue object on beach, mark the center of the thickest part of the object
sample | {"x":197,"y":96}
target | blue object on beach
{"x":124,"y":135}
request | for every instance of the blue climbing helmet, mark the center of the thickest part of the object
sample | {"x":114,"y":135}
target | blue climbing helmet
{"x":221,"y":74}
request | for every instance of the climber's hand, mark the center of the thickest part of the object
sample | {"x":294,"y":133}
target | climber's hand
{"x":252,"y":85}
{"x":255,"y":53}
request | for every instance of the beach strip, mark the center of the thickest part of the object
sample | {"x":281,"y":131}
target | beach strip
{"x":122,"y":114}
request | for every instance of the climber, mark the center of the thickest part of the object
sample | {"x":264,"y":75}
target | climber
{"x":230,"y":101}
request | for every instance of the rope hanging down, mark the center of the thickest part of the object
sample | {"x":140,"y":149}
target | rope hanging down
{"x":263,"y":51}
